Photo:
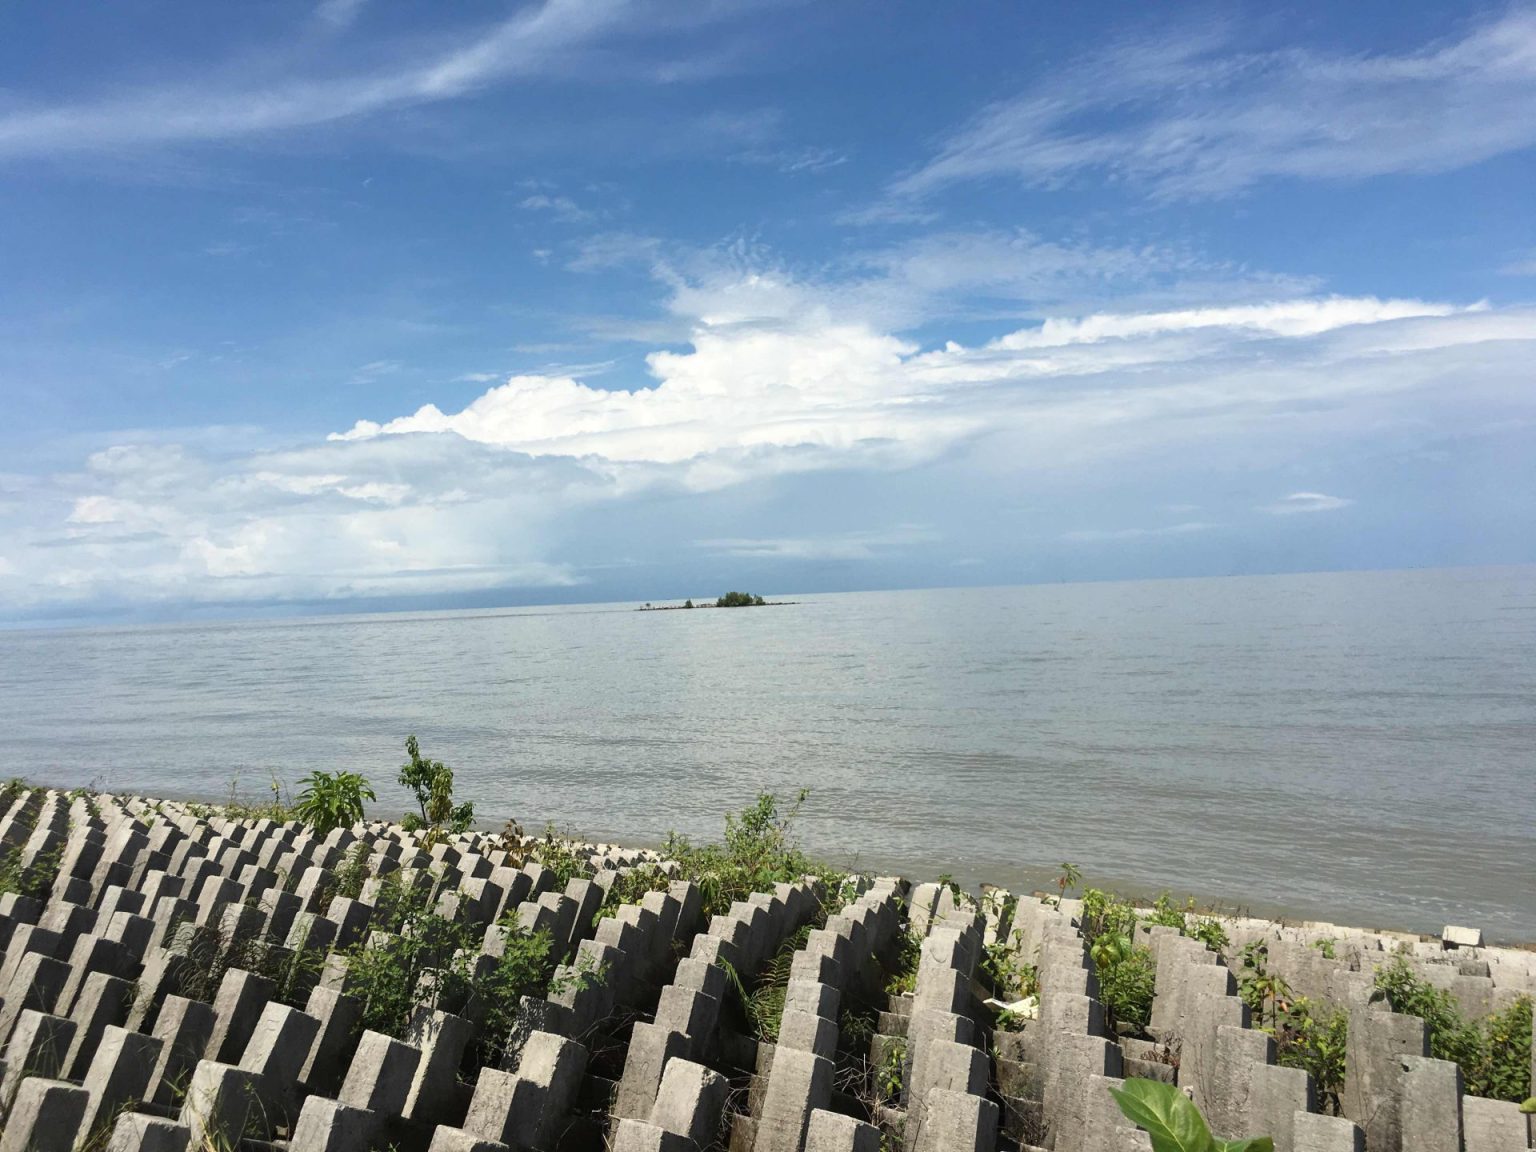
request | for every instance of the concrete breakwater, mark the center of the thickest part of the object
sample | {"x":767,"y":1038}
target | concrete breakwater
{"x":175,"y":979}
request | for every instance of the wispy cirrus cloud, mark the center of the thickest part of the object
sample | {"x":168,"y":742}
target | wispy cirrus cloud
{"x":544,"y":39}
{"x":1192,"y":115}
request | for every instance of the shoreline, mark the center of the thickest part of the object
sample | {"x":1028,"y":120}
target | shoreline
{"x":1037,"y":880}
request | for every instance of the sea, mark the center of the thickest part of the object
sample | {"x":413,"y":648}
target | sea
{"x":1354,"y":747}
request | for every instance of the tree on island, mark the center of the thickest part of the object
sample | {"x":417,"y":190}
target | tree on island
{"x":739,"y":600}
{"x":688,"y":604}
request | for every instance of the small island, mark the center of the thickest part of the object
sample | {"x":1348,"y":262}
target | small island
{"x":729,"y":600}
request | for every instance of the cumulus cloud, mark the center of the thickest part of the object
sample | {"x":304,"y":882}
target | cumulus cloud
{"x":1194,"y":116}
{"x":1300,"y":502}
{"x":840,"y":392}
{"x":779,"y":378}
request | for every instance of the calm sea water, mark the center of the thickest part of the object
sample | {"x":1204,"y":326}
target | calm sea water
{"x":1360,"y":747}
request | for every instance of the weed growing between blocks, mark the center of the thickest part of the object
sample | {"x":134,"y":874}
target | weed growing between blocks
{"x":1494,"y":1053}
{"x":1307,"y":1035}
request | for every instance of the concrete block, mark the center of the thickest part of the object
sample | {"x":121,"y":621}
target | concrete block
{"x":223,"y":1105}
{"x":183,"y":1027}
{"x":447,"y":1139}
{"x":1315,"y":1133}
{"x":504,"y":1107}
{"x":1374,"y":1053}
{"x":104,"y":1001}
{"x":1107,"y":1129}
{"x":799,"y":1083}
{"x":339,"y":1015}
{"x":381,"y":1073}
{"x":1070,"y":1061}
{"x":275,"y":1052}
{"x":640,"y":1136}
{"x":807,"y":1032}
{"x":331,"y":1126}
{"x":1430,"y":1105}
{"x":832,"y":1132}
{"x":812,"y":996}
{"x":36,"y":984}
{"x":1454,"y":936}
{"x":1276,"y":1095}
{"x":119,"y":1075}
{"x":957,"y":1122}
{"x":1494,"y":1125}
{"x":237,"y":1007}
{"x":1239,"y":1054}
{"x":690,"y":1101}
{"x":136,"y":1132}
{"x":44,"y":1117}
{"x":651,"y":1047}
{"x":39,"y":1046}
{"x":556,"y":1065}
{"x":442,"y":1038}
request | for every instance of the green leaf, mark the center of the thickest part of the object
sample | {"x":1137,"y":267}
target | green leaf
{"x":1168,"y":1116}
{"x":1529,"y":1107}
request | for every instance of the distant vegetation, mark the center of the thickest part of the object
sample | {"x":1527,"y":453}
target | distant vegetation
{"x":729,"y":600}
{"x":739,"y":600}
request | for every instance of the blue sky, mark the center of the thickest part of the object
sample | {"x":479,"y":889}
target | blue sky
{"x":362,"y":304}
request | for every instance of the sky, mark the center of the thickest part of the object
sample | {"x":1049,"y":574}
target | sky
{"x":363,"y":305}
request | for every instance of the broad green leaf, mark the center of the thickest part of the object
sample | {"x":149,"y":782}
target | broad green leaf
{"x":1168,"y":1116}
{"x":1252,"y":1144}
{"x":1529,"y":1107}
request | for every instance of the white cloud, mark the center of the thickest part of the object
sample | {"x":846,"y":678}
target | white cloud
{"x":1195,"y":117}
{"x":780,"y":376}
{"x":1298,"y":502}
{"x":768,"y":369}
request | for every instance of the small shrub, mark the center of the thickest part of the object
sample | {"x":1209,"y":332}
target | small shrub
{"x":559,"y":854}
{"x":1069,"y":877}
{"x":888,"y":1074}
{"x":431,"y":782}
{"x":1127,"y":985}
{"x":417,"y":957}
{"x":902,"y":978}
{"x":353,"y":873}
{"x":1127,"y":973}
{"x":1307,"y":1035}
{"x":1011,"y":978}
{"x":1494,"y":1055}
{"x":332,"y":800}
{"x":1207,"y":929}
{"x":760,"y":850}
{"x":631,"y":886}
